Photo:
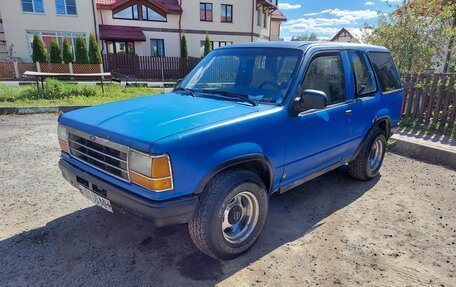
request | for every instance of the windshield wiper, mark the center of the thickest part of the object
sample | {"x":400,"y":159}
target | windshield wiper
{"x":226,"y":94}
{"x":188,"y":91}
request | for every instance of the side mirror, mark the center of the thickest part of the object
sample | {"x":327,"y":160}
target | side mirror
{"x":309,"y":100}
{"x":178,"y":82}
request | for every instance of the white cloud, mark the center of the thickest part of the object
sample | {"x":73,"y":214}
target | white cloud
{"x":369,"y":3}
{"x":328,"y":22}
{"x":288,"y":6}
{"x":393,"y":1}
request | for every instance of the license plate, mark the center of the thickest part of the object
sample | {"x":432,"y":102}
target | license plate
{"x":95,"y":198}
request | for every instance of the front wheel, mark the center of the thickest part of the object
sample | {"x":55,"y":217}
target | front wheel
{"x":230,"y":215}
{"x":369,"y":160}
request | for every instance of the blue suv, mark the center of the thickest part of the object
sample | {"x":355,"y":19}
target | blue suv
{"x":249,"y":121}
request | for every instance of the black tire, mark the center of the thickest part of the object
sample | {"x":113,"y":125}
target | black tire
{"x":206,"y":225}
{"x":359,"y":168}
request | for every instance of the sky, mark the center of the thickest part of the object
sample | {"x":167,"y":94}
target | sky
{"x":325,"y":17}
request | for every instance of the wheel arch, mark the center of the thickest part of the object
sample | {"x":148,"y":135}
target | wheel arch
{"x":257,"y":163}
{"x":383,"y":123}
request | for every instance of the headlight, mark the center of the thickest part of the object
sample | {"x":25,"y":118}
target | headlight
{"x":63,"y":137}
{"x":151,"y":172}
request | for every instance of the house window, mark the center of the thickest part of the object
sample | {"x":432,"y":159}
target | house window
{"x":258,"y":17}
{"x":265,"y":20}
{"x":32,"y":6}
{"x":157,"y":47}
{"x":47,"y":37}
{"x":120,"y":47}
{"x":130,"y":13}
{"x":206,"y":11}
{"x":150,"y":15}
{"x":66,"y":7}
{"x":227,"y":13}
{"x":214,"y":45}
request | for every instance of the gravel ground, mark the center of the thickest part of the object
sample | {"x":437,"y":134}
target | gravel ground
{"x":396,"y":230}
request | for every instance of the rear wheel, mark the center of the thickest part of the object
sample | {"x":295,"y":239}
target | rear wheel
{"x":369,"y":160}
{"x":230,"y":215}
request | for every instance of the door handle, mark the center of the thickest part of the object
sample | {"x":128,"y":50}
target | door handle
{"x":348,"y":113}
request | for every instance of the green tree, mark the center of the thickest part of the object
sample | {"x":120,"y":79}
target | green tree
{"x":81,"y":51}
{"x":67,"y":51}
{"x":54,"y":52}
{"x":419,"y":33}
{"x":94,"y":51}
{"x":207,"y":45}
{"x":306,"y":37}
{"x":39,"y":53}
{"x":184,"y":50}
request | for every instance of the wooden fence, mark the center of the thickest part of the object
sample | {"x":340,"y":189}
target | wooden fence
{"x":150,"y":68}
{"x":430,"y":100}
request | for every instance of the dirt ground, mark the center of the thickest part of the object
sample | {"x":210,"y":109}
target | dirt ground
{"x":396,"y":230}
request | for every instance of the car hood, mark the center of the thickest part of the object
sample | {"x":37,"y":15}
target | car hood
{"x":139,"y":122}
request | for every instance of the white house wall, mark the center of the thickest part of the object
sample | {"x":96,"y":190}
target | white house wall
{"x":16,"y":23}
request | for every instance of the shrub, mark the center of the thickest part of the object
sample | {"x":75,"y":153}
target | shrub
{"x":67,"y":51}
{"x":207,"y":45}
{"x":54,"y":52}
{"x":184,"y":50}
{"x":39,"y":53}
{"x":94,"y":51}
{"x":81,"y":51}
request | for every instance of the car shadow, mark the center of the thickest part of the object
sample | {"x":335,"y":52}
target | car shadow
{"x":93,"y":247}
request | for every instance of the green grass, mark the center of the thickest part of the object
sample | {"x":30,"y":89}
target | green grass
{"x":57,"y":93}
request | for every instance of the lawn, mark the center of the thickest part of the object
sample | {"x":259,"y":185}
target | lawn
{"x":56,"y":93}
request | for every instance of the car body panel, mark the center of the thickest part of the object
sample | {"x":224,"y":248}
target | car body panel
{"x":201,"y":134}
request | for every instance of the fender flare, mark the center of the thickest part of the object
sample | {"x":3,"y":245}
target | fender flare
{"x":235,"y":161}
{"x":375,"y":124}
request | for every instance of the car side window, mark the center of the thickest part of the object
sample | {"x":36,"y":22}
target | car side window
{"x":326,"y":74}
{"x":385,"y":69}
{"x":364,"y":76}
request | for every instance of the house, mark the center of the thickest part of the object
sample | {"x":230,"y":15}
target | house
{"x":50,"y":19}
{"x":155,"y":27}
{"x":140,"y":27}
{"x":351,"y":35}
{"x":3,"y":47}
{"x":277,"y":18}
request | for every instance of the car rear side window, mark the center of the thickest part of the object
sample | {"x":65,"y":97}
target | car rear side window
{"x":364,"y":76}
{"x":385,"y":69}
{"x":326,"y":74}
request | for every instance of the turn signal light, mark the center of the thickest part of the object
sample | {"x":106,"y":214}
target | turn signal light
{"x":150,"y":183}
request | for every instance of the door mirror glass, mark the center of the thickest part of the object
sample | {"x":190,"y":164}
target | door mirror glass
{"x":309,"y":100}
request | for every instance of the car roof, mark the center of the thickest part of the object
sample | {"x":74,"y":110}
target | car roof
{"x":302,"y":45}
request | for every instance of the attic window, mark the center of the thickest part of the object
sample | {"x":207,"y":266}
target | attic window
{"x":150,"y":15}
{"x":130,"y":13}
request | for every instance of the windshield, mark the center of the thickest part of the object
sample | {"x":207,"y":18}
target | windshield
{"x":262,"y":74}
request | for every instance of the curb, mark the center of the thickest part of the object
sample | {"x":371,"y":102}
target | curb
{"x":421,"y":152}
{"x":37,"y":110}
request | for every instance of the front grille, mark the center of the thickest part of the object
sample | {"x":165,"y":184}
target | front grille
{"x":99,"y":153}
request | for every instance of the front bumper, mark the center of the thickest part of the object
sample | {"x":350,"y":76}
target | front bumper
{"x":173,"y":211}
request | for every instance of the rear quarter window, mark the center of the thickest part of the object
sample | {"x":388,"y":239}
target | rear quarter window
{"x":386,"y":71}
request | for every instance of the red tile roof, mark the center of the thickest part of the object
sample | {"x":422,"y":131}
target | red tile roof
{"x":121,"y":33}
{"x":170,"y":6}
{"x":278,"y":16}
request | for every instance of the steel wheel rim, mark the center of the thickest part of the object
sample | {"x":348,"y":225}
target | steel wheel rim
{"x":240,"y":217}
{"x":375,"y":155}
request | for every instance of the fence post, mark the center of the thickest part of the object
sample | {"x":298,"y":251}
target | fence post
{"x":70,"y":67}
{"x":38,"y":67}
{"x":101,"y":70}
{"x":16,"y":69}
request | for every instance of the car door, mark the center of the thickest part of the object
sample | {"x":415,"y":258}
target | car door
{"x":366,"y":96}
{"x":317,"y":139}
